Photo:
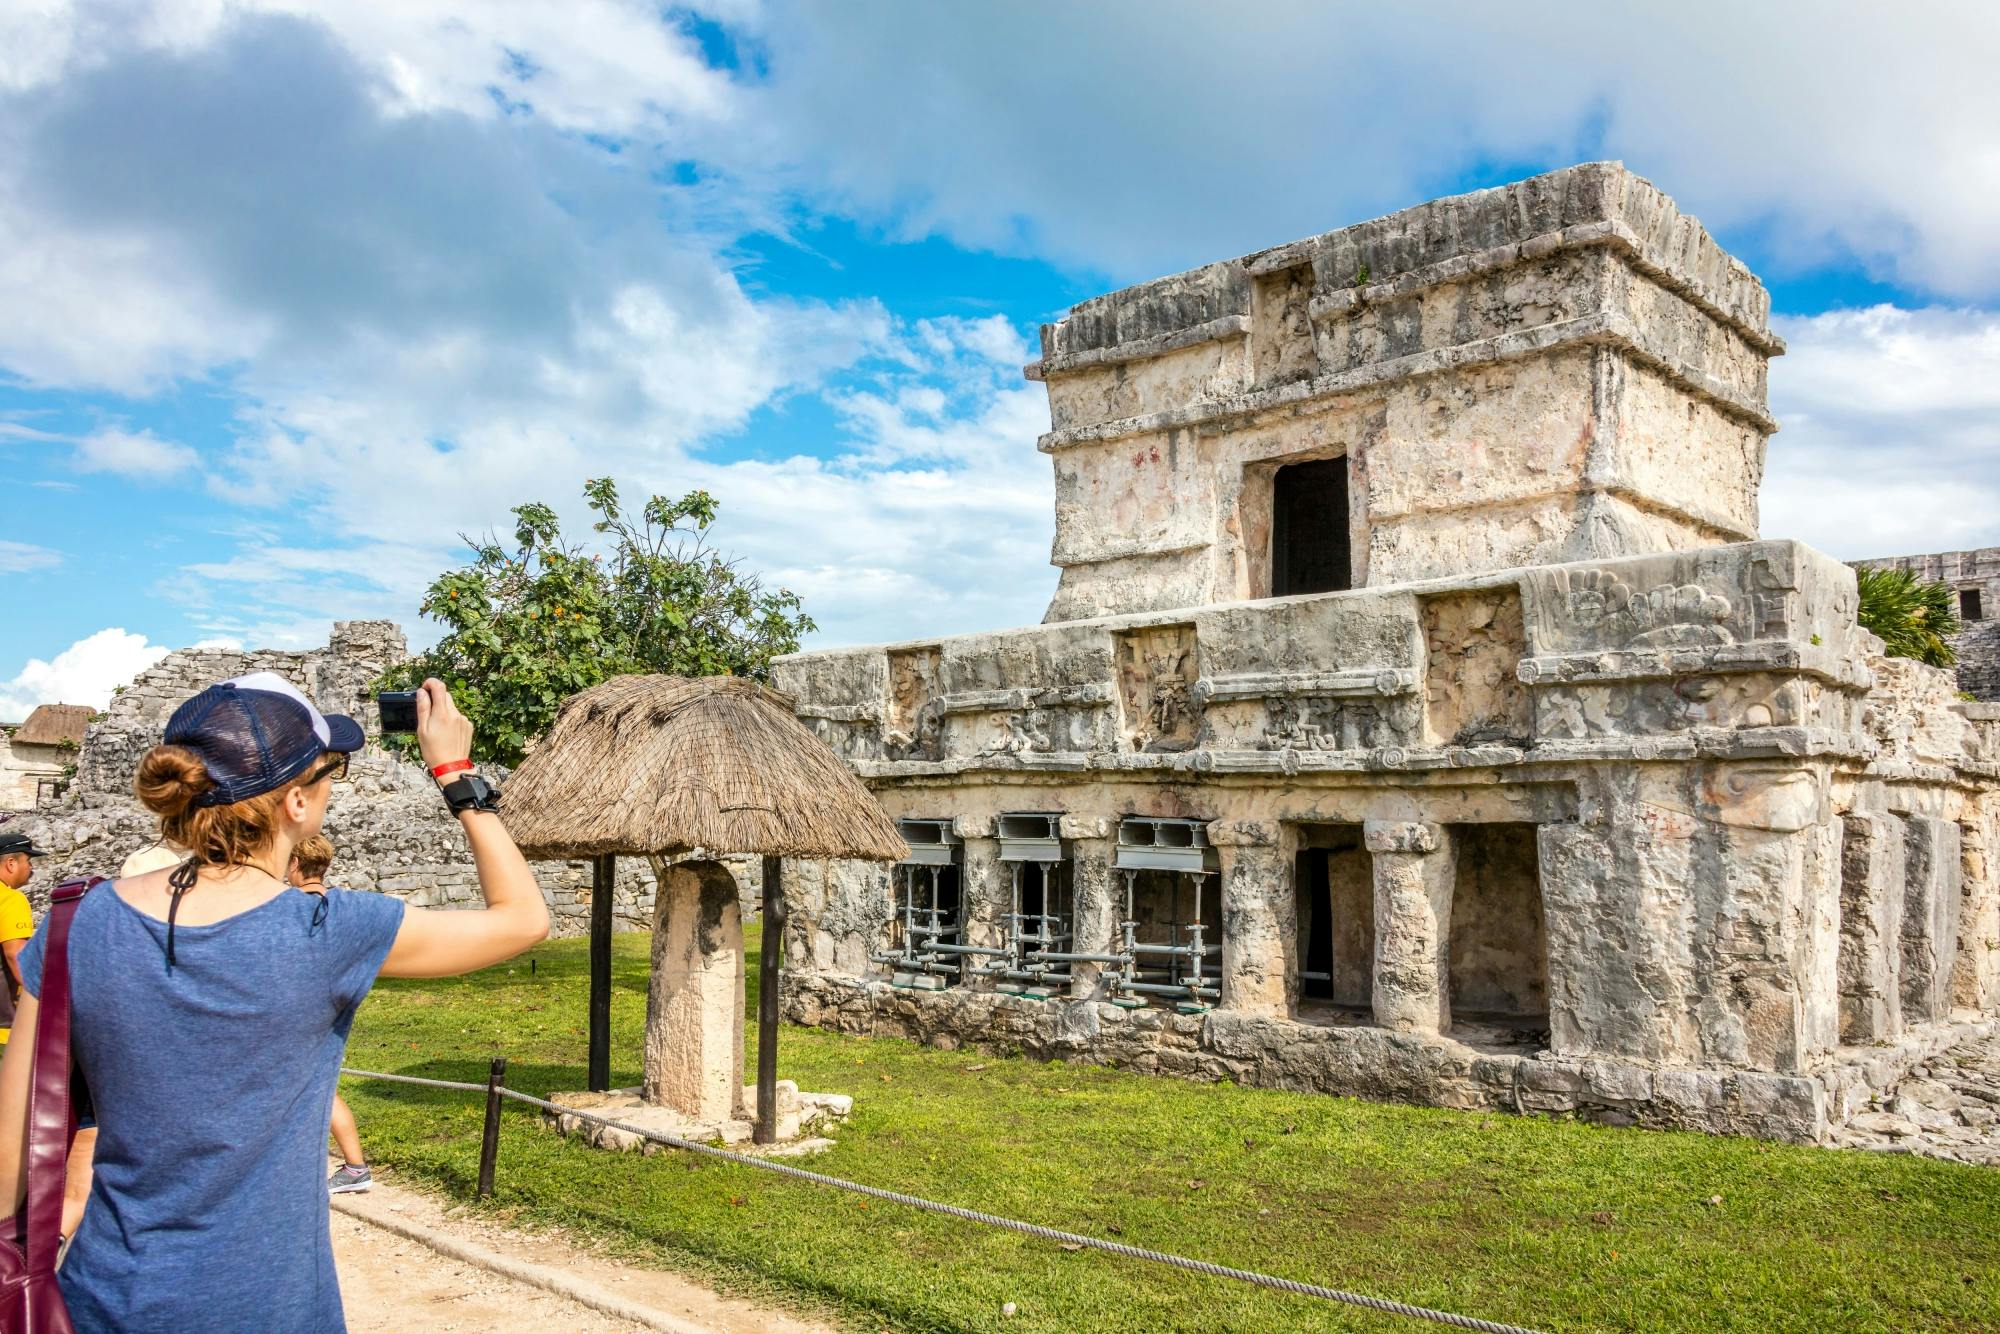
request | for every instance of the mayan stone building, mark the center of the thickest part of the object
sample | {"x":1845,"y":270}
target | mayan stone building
{"x":1974,"y":578}
{"x":1419,"y":714}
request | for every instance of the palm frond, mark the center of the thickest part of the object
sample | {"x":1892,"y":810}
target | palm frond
{"x":1914,"y":618}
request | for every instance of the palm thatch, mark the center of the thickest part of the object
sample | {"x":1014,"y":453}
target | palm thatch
{"x":55,"y":725}
{"x":661,"y":765}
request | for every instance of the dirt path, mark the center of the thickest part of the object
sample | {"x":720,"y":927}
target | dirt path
{"x":472,"y":1274}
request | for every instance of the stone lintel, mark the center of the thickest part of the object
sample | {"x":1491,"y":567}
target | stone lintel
{"x":1404,"y":836}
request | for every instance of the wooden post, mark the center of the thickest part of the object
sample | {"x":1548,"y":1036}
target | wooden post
{"x":489,"y":1140}
{"x":768,"y":985}
{"x":603,"y":870}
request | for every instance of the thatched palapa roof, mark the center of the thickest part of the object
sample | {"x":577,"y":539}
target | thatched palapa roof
{"x":662,"y":765}
{"x":55,"y":725}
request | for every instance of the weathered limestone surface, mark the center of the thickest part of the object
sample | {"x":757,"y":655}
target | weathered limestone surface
{"x":1414,"y":875}
{"x":1580,"y":800}
{"x":1930,"y":917}
{"x":1354,"y":1061}
{"x":1873,"y":873}
{"x":1561,"y":368}
{"x":694,"y":1004}
{"x":1259,"y":919}
{"x":1975,"y":978}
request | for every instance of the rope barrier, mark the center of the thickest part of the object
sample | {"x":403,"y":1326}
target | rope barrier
{"x":976,"y":1216}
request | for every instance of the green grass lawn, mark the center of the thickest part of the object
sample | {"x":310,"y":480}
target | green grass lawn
{"x":1550,"y":1224}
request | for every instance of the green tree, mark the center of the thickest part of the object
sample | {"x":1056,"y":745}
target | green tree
{"x":527,"y":627}
{"x":1915,"y":618}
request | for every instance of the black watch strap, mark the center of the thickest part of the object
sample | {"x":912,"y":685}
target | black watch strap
{"x":470,"y":792}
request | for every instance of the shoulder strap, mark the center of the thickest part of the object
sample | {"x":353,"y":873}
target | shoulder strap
{"x":50,"y":1126}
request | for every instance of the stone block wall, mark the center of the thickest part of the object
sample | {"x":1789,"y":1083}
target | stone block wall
{"x":1978,"y":644}
{"x":1632,"y":831}
{"x":1560,"y":368}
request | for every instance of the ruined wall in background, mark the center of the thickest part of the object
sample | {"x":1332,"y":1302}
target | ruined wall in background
{"x":1978,"y":645}
{"x":390,"y":829}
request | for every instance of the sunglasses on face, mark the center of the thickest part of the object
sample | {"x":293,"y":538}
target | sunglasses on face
{"x":334,"y":768}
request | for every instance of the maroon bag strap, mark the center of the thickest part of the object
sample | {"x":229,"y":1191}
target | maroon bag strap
{"x":50,"y":1123}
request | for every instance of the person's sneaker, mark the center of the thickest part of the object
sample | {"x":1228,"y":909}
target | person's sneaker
{"x":349,"y":1179}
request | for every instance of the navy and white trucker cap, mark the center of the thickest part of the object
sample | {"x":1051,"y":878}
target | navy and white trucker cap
{"x":256,"y":733}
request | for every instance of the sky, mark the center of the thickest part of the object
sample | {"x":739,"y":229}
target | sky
{"x":296,"y":294}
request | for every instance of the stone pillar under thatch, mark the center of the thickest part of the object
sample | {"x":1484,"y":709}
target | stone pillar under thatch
{"x":694,"y":1007}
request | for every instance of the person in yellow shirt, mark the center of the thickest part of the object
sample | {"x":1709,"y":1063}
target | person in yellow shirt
{"x":17,"y":920}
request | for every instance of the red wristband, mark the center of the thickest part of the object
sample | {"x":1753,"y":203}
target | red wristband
{"x":450,"y":767}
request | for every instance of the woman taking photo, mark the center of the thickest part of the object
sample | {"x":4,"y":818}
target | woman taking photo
{"x":210,"y":1004}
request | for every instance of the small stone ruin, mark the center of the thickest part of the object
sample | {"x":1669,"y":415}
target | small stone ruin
{"x":390,"y":830}
{"x":1419,"y":714}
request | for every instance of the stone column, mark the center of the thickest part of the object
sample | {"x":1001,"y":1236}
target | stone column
{"x":985,"y":896}
{"x":1871,"y":925}
{"x":1975,"y":977}
{"x":1414,"y":872}
{"x":1259,"y":918}
{"x":694,"y":1006}
{"x":1097,"y":900}
{"x":1930,"y":917}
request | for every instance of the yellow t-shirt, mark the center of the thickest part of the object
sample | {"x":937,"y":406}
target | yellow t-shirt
{"x":17,"y":922}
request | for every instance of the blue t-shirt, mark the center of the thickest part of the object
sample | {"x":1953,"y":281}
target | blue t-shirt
{"x":213,"y":1086}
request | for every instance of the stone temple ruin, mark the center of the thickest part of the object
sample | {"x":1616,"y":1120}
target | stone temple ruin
{"x":1419,"y":715}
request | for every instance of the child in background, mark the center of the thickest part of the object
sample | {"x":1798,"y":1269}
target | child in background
{"x":308,"y":872}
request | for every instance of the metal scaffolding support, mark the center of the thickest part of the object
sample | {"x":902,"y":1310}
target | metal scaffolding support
{"x":1031,"y":846}
{"x":1187,"y":966}
{"x":927,"y":949}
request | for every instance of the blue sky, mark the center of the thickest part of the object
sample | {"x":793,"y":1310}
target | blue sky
{"x":297,"y":292}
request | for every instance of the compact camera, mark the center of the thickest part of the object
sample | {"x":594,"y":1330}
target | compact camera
{"x":398,"y":709}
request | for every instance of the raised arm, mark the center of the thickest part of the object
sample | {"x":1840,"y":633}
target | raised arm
{"x":438,"y":943}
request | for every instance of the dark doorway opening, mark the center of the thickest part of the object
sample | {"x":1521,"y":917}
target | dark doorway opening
{"x":1310,"y":552}
{"x":1968,"y":605}
{"x":1334,"y":882}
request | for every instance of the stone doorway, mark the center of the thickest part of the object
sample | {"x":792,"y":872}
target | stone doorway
{"x":1498,"y":968}
{"x":1333,"y":878}
{"x":1310,"y":548}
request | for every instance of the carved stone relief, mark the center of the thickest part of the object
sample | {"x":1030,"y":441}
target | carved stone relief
{"x":1157,"y":670}
{"x":1473,"y":642}
{"x":914,"y":717}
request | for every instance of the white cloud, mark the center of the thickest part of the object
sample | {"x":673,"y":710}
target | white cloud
{"x":140,"y":455}
{"x":605,"y":66}
{"x":1119,"y":137}
{"x":23,"y":557}
{"x":84,"y":673}
{"x":1891,"y":432}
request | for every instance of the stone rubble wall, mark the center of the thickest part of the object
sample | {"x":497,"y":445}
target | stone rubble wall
{"x":391,"y":831}
{"x":1978,"y":644}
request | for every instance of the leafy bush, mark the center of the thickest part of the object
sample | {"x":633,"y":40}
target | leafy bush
{"x":531,"y":626}
{"x":1915,"y":618}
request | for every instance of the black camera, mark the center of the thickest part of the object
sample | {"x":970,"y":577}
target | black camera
{"x":398,"y":709}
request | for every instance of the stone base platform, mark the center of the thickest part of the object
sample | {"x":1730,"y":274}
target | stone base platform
{"x":1364,"y":1061}
{"x":801,"y":1116}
